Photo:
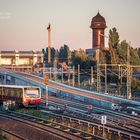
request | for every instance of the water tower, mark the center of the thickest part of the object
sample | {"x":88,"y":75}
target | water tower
{"x":98,"y":25}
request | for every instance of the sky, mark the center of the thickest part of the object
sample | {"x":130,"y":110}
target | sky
{"x":23,"y":23}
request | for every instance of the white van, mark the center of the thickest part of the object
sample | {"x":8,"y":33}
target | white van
{"x":115,"y":106}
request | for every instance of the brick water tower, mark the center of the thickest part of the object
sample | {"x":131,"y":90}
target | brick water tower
{"x":98,"y":25}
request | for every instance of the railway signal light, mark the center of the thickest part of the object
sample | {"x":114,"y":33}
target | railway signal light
{"x":90,"y":107}
{"x":46,"y":79}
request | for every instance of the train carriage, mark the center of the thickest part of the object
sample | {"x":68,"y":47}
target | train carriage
{"x":21,"y":95}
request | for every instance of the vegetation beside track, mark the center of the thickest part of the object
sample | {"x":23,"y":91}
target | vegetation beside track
{"x":1,"y":137}
{"x":35,"y":113}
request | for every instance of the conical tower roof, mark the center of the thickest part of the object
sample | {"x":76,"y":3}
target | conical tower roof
{"x":98,"y":21}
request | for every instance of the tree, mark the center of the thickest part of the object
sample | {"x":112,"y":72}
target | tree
{"x":63,"y":53}
{"x":113,"y":44}
{"x":69,"y":57}
{"x":80,"y":57}
{"x":138,"y":51}
{"x":122,"y":54}
{"x":113,"y":38}
{"x":45,"y":52}
{"x":53,"y":52}
{"x":136,"y":84}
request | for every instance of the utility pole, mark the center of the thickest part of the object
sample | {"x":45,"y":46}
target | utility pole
{"x":73,"y":82}
{"x":5,"y":78}
{"x":128,"y":74}
{"x":49,"y":43}
{"x":43,"y":71}
{"x":98,"y":72}
{"x":98,"y":64}
{"x":47,"y":96}
{"x":55,"y":70}
{"x":68,"y":71}
{"x":78,"y":75}
{"x":62,"y":75}
{"x":92,"y":80}
{"x":119,"y":79}
{"x":50,"y":73}
{"x":105,"y":78}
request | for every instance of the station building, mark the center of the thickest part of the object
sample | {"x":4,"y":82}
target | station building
{"x":20,"y":59}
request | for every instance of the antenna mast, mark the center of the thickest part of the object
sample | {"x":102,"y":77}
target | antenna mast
{"x":49,"y":43}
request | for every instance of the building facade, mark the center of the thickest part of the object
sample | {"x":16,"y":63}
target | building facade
{"x":10,"y":59}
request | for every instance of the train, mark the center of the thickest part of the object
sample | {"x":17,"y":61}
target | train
{"x":27,"y":96}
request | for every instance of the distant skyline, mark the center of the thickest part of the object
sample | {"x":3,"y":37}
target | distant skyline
{"x":23,"y":23}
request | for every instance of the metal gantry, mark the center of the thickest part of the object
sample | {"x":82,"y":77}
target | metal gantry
{"x":128,"y":69}
{"x":123,"y":70}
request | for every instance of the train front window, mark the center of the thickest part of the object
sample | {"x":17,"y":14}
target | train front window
{"x":31,"y":93}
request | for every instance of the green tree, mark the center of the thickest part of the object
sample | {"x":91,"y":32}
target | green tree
{"x":80,"y":57}
{"x":136,"y":84}
{"x":63,"y":53}
{"x":113,"y":44}
{"x":53,"y":52}
{"x":45,"y":52}
{"x":138,"y":51}
{"x":122,"y":54}
{"x":113,"y":38}
{"x":69,"y":57}
{"x":1,"y":137}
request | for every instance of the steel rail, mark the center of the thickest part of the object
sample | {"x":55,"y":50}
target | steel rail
{"x":110,"y":119}
{"x":12,"y":134}
{"x":39,"y":121}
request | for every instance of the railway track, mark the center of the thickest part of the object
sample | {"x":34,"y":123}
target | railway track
{"x":129,"y":123}
{"x":10,"y":135}
{"x":57,"y":129}
{"x":87,"y":122}
{"x":114,"y":119}
{"x":31,"y":77}
{"x":95,"y":110}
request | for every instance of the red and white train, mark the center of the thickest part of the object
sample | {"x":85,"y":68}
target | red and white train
{"x":21,"y":95}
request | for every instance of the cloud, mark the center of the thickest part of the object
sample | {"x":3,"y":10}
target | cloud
{"x":5,"y":15}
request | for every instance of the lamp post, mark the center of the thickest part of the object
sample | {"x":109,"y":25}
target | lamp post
{"x":46,"y":96}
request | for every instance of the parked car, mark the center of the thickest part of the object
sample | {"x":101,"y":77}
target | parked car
{"x":133,"y":110}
